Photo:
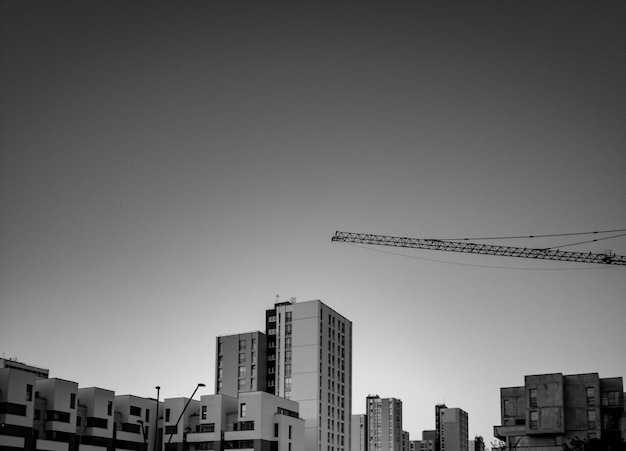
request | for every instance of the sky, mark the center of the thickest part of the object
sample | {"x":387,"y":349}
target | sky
{"x":167,"y":169}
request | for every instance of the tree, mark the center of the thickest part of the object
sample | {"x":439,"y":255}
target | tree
{"x":594,"y":444}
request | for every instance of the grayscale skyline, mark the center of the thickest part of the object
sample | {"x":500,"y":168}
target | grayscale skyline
{"x":168,"y":168}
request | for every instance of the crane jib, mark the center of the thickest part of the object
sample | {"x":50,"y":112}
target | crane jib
{"x":607,"y":258}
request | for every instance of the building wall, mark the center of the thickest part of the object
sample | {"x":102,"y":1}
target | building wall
{"x":255,"y":420}
{"x":358,"y":432}
{"x":384,"y":423}
{"x":310,"y":361}
{"x":551,"y":409}
{"x":453,"y":423}
{"x":17,"y":407}
{"x":240,"y":363}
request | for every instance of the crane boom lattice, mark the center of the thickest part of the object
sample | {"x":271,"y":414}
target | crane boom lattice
{"x":476,"y":248}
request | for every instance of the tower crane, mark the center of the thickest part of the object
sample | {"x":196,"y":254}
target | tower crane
{"x":608,"y":258}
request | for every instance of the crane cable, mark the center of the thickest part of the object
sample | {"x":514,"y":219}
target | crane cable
{"x":533,"y":236}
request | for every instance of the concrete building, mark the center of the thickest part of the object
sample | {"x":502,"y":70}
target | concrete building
{"x":255,"y":421}
{"x":305,"y":355}
{"x":40,"y":373}
{"x":384,"y":424}
{"x":95,"y":425}
{"x":478,"y":444}
{"x":309,"y":360}
{"x":17,"y":408}
{"x":56,"y":414}
{"x":427,"y":443}
{"x":135,"y":419}
{"x":451,"y":429}
{"x":406,"y":441}
{"x":358,"y":433}
{"x":241,"y":363}
{"x":551,"y":409}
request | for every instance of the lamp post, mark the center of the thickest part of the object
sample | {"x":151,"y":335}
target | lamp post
{"x":156,"y":422}
{"x":181,"y":414}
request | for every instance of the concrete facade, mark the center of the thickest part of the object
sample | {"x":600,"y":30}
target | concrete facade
{"x":452,"y":428}
{"x":551,"y":409}
{"x":309,"y":360}
{"x":359,"y":434}
{"x":384,"y":424}
{"x":255,"y":421}
{"x":241,"y":363}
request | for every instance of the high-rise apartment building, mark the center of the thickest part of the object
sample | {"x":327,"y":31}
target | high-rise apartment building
{"x":384,"y":424}
{"x":305,"y":355}
{"x":551,"y":409}
{"x":241,"y":363}
{"x":451,"y":429}
{"x":359,"y":435}
{"x":309,"y":360}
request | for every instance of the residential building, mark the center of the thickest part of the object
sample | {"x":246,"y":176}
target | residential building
{"x":427,"y":443}
{"x":241,"y":363}
{"x":17,"y":408}
{"x":309,"y":360}
{"x":95,"y":425}
{"x":551,"y":409}
{"x":451,"y":428}
{"x":478,"y":444}
{"x":358,"y":432}
{"x":135,"y":419}
{"x":406,"y":441}
{"x":40,"y":373}
{"x":384,"y":423}
{"x":55,"y":416}
{"x":255,"y":421}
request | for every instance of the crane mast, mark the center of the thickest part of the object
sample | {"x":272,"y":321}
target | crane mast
{"x":607,"y":258}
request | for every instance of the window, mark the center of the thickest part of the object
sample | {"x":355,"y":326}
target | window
{"x":242,"y":371}
{"x":72,"y":400}
{"x":275,"y":429}
{"x":242,"y":410}
{"x":241,"y":384}
{"x":591,"y":419}
{"x":591,"y":396}
{"x":289,"y":431}
{"x":209,"y":427}
{"x":254,"y":343}
{"x":253,"y":371}
{"x":534,"y":419}
{"x":29,"y":392}
{"x":242,"y":358}
{"x":203,"y":412}
{"x":532,"y":397}
{"x":37,"y":414}
{"x":167,"y":414}
{"x":242,"y":345}
{"x":171,"y":429}
{"x":288,"y":316}
{"x":611,"y":398}
{"x":110,"y":408}
{"x":135,"y":410}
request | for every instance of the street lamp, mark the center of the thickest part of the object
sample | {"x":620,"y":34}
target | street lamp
{"x":181,"y":414}
{"x":156,"y":422}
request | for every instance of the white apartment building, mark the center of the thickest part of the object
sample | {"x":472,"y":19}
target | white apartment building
{"x":309,"y":360}
{"x":385,"y":424}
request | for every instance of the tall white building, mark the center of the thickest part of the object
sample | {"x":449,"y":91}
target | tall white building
{"x":309,"y":360}
{"x":452,"y":428}
{"x":384,"y":424}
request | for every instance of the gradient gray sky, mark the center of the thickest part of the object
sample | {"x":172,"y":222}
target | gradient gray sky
{"x":168,"y":168}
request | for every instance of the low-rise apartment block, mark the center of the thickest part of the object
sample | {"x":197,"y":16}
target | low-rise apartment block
{"x":551,"y":409}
